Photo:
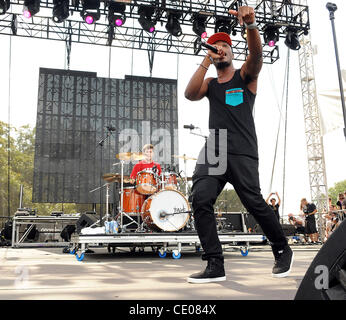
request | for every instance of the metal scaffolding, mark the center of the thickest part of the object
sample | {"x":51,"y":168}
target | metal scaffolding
{"x":313,"y":135}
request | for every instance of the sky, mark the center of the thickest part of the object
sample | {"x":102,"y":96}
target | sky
{"x":21,"y":59}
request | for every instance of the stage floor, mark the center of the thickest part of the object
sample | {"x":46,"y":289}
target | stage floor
{"x":47,"y":273}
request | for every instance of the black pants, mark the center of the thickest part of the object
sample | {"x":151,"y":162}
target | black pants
{"x":242,"y":173}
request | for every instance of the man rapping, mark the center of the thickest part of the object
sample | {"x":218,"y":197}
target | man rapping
{"x":231,"y":99}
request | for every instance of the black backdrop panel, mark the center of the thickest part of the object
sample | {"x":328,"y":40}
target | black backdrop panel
{"x":73,"y":113}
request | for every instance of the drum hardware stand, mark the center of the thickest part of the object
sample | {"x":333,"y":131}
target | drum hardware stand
{"x":199,"y":135}
{"x":107,"y":202}
{"x":101,"y":144}
{"x":163,"y":182}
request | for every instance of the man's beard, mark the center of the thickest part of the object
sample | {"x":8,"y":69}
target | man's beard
{"x":222,"y":65}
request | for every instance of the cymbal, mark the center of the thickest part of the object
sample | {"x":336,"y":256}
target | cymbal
{"x":130,"y":156}
{"x":184,"y":157}
{"x":112,"y":177}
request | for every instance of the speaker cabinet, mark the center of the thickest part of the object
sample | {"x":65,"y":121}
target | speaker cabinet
{"x":289,"y":230}
{"x":85,"y":220}
{"x":325,"y":279}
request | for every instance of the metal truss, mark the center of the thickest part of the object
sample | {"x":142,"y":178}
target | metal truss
{"x":282,"y":14}
{"x":314,"y":139}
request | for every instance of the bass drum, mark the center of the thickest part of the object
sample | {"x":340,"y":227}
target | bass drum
{"x":166,"y":210}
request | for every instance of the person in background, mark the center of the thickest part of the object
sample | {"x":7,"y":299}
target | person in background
{"x":273,"y":205}
{"x":298,"y":223}
{"x":309,"y":210}
{"x":341,"y":198}
{"x":329,"y":224}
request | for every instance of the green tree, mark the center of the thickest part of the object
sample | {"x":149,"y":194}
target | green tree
{"x":228,"y":201}
{"x":18,"y":146}
{"x":339,"y":187}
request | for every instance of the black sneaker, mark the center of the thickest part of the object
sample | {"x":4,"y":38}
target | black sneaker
{"x":214,"y":272}
{"x":283,"y":262}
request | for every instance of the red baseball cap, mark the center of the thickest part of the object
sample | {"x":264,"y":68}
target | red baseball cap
{"x":220,"y":36}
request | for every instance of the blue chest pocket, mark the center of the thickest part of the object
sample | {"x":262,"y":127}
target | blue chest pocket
{"x":234,"y":97}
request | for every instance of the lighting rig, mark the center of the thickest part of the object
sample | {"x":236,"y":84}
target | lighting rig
{"x":155,"y":25}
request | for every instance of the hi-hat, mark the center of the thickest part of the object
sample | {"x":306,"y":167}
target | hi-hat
{"x":130,"y":156}
{"x":184,"y":157}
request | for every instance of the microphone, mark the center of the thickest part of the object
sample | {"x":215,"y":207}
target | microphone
{"x":110,"y":128}
{"x":191,"y":127}
{"x":208,"y":46}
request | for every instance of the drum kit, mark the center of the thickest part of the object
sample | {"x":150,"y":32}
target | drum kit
{"x":152,"y":202}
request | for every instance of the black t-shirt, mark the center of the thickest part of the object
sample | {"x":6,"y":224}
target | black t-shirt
{"x":310,"y":207}
{"x":339,"y":204}
{"x":231,"y":107}
{"x":276,"y":210}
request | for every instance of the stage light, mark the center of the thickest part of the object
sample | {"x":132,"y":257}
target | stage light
{"x":197,"y":46}
{"x":31,"y":7}
{"x":91,"y":11}
{"x":271,"y":35}
{"x":145,"y":19}
{"x":4,"y":6}
{"x":292,"y":40}
{"x":116,"y":13}
{"x":173,"y":25}
{"x":198,"y":25}
{"x":223,"y":25}
{"x":60,"y":10}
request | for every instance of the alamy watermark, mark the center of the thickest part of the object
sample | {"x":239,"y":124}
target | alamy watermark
{"x":216,"y":146}
{"x":322,"y":279}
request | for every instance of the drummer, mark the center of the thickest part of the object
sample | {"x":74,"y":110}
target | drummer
{"x":146,"y":163}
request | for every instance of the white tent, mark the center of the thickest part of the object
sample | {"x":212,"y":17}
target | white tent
{"x":329,"y":102}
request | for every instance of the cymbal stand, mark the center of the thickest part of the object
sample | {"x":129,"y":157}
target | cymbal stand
{"x":101,"y":144}
{"x":122,"y":194}
{"x":163,"y":182}
{"x":107,"y":201}
{"x":185,"y":170}
{"x":199,"y":135}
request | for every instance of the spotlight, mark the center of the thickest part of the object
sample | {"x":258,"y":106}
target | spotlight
{"x":145,"y":19}
{"x":116,"y":13}
{"x":4,"y":6}
{"x":91,"y":11}
{"x":31,"y":7}
{"x":197,"y":46}
{"x":60,"y":10}
{"x":173,"y":25}
{"x":292,"y":40}
{"x":271,"y":35}
{"x":223,"y":25}
{"x":198,"y":25}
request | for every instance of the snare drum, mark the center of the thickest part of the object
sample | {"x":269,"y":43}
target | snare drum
{"x":132,"y":200}
{"x":170,"y":181}
{"x":147,"y":182}
{"x":166,"y":210}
